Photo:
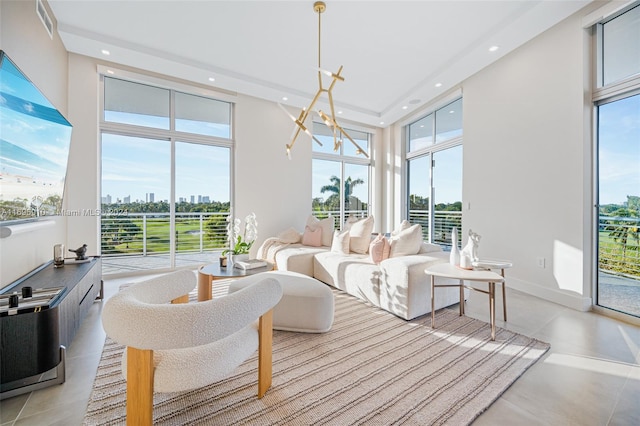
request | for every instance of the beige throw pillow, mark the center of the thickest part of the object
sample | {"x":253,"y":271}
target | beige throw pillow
{"x":406,"y":242}
{"x":340,"y":242}
{"x":312,"y":237}
{"x":379,"y":249}
{"x":327,"y":228}
{"x":290,"y":236}
{"x":360,"y":235}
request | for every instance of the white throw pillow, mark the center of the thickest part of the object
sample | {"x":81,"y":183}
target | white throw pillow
{"x":403,"y":225}
{"x":360,"y":235}
{"x":350,"y":221}
{"x":290,"y":236}
{"x":406,"y":242}
{"x":327,"y":228}
{"x":340,"y":242}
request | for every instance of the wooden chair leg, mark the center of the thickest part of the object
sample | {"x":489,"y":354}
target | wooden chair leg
{"x":181,"y":299}
{"x":265,"y":333}
{"x":139,"y":386}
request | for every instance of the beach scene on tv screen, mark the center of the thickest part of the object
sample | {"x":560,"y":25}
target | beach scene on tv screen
{"x":34,"y":149}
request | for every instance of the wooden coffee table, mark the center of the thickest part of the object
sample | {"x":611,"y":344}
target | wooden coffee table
{"x":446,"y":270}
{"x":208,"y":273}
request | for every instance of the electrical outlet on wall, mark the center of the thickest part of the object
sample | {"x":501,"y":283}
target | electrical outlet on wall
{"x":541,"y":261}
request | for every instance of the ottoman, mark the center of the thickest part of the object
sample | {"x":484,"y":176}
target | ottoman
{"x":306,"y":305}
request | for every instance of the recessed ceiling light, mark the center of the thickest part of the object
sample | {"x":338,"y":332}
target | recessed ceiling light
{"x":451,"y":112}
{"x":382,"y":122}
{"x":422,"y":125}
{"x":404,"y":107}
{"x":212,"y":79}
{"x":284,"y":98}
{"x":339,"y":112}
{"x":493,"y":48}
{"x":105,"y":52}
{"x":438,"y":84}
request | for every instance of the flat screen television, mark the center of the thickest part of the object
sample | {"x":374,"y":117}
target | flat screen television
{"x":34,"y":149}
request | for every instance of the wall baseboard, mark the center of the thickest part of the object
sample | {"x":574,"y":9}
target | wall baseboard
{"x":570,"y":300}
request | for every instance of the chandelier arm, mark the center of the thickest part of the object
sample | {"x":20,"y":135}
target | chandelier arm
{"x":335,"y":79}
{"x":319,"y":10}
{"x":359,"y":148}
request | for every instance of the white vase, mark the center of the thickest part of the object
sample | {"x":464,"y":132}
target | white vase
{"x":239,"y":258}
{"x":454,"y":256}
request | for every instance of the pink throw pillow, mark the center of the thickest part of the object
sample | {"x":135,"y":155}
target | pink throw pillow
{"x":379,"y":249}
{"x":312,"y":237}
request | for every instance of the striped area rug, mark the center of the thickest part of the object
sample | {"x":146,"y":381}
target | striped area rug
{"x":372,"y":368}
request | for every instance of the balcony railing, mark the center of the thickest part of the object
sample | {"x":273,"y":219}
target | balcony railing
{"x":148,"y":233}
{"x":619,"y":245}
{"x":443,"y":223}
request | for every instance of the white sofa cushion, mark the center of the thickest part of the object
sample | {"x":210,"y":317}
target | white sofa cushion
{"x":297,"y":258}
{"x":406,"y":242}
{"x":360,"y":235}
{"x":353,"y":273}
{"x":405,"y":289}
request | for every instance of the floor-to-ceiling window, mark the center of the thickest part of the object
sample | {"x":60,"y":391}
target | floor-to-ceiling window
{"x":434,"y":173}
{"x":166,"y":168}
{"x":341,"y":177}
{"x":617,"y":112}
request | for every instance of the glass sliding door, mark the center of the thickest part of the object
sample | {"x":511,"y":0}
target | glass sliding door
{"x":618,"y":225}
{"x":447,"y":202}
{"x":202,"y":200}
{"x":419,"y":172}
{"x":136,"y":184}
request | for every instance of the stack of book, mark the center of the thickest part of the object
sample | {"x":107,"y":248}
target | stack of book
{"x":249,"y":264}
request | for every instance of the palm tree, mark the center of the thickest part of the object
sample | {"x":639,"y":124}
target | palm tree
{"x":335,"y":189}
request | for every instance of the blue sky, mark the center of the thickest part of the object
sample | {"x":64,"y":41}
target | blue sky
{"x":137,"y":166}
{"x":619,"y":150}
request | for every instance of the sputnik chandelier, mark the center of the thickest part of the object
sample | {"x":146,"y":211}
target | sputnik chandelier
{"x":330,"y":120}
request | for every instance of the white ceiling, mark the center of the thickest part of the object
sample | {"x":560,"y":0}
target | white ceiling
{"x":393,"y":52}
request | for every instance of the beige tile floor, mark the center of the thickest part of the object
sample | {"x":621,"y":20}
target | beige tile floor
{"x":591,"y":375}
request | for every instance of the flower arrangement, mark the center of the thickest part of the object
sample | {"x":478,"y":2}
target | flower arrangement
{"x":241,"y":242}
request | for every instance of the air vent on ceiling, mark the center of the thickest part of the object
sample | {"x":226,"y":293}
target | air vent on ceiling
{"x":44,"y":17}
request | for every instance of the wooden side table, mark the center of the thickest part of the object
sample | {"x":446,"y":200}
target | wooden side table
{"x":496,"y":264}
{"x":208,"y":273}
{"x":446,"y":270}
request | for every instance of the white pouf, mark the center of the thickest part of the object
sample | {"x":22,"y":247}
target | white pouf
{"x":306,"y":306}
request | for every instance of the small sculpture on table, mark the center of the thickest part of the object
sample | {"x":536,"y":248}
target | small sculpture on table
{"x":80,"y":252}
{"x":470,"y":252}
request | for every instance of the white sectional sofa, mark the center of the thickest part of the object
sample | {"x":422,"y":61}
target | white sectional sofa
{"x":396,"y":284}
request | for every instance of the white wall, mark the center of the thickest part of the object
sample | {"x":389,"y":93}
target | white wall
{"x":278,"y":190}
{"x":44,"y":61}
{"x":525,"y":152}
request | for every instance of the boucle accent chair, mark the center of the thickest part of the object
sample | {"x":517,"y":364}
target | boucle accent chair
{"x":174,"y":347}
